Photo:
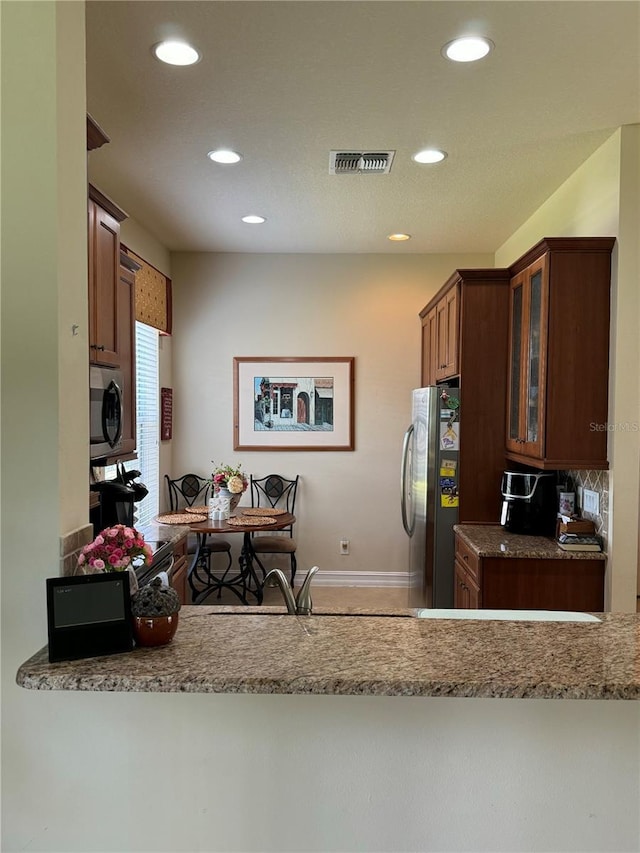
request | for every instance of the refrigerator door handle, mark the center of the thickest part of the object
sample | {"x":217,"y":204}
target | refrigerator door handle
{"x":403,"y":480}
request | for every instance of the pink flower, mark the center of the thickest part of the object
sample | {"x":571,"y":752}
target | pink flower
{"x":115,"y":548}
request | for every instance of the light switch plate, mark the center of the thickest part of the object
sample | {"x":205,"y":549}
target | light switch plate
{"x":591,"y":502}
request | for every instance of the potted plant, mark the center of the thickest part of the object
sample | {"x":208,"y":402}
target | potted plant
{"x":155,"y":614}
{"x":229,"y":482}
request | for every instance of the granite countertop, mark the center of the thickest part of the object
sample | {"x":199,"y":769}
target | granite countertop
{"x":262,"y":650}
{"x":492,"y":540}
{"x":154,"y":532}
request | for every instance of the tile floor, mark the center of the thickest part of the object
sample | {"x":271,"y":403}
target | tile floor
{"x":328,"y":596}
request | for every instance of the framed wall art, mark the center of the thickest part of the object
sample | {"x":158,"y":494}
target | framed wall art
{"x":293,"y":403}
{"x":166,"y":414}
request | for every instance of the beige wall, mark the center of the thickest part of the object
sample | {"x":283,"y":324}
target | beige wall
{"x":365,"y":306}
{"x":601,"y":199}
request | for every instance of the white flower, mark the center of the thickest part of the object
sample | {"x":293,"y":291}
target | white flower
{"x":235,"y":485}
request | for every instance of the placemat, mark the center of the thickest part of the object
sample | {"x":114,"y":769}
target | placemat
{"x":179,"y":518}
{"x":259,"y":510}
{"x":197,"y":510}
{"x":249,"y":520}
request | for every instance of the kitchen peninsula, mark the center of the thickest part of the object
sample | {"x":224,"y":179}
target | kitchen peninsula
{"x":262,"y":650}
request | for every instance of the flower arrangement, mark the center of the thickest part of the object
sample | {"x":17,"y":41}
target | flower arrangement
{"x":114,"y":550}
{"x":228,"y":477}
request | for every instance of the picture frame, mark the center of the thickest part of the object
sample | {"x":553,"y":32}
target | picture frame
{"x":293,"y":403}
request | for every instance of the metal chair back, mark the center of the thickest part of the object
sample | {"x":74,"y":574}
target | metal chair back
{"x":188,"y":490}
{"x":275,"y":491}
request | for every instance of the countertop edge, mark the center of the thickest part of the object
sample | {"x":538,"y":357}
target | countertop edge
{"x":334,"y":687}
{"x":504,"y":544}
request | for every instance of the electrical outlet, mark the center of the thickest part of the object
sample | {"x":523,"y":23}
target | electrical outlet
{"x":591,"y":502}
{"x":344,"y":546}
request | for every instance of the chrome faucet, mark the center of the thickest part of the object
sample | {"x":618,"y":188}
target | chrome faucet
{"x":301,"y":604}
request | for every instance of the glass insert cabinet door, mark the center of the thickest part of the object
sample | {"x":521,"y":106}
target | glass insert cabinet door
{"x":527,"y":360}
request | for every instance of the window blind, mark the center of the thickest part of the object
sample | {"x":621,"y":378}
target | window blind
{"x":147,"y":425}
{"x":148,"y":420}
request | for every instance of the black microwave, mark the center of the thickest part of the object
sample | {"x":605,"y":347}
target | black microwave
{"x":106,"y":402}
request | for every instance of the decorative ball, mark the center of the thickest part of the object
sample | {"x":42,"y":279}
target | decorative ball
{"x":155,"y":599}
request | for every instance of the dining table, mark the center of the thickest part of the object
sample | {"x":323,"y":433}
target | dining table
{"x":243,"y":580}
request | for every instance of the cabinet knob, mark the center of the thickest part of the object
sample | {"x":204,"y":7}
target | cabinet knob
{"x":98,"y":347}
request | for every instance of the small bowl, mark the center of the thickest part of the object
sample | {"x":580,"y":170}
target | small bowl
{"x":154,"y":630}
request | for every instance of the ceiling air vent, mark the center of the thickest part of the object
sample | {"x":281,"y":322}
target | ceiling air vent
{"x":360,"y":162}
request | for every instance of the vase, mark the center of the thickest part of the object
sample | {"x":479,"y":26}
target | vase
{"x":154,"y":630}
{"x":234,"y":499}
{"x":133,"y":580}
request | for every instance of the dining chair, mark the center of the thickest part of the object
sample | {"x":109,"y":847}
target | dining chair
{"x":193,"y":490}
{"x":276,"y":492}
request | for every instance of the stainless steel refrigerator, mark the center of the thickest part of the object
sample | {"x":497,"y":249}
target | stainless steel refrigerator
{"x":429,"y":494}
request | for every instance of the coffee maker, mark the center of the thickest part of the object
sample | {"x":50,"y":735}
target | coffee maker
{"x":117,"y":498}
{"x":529,"y":502}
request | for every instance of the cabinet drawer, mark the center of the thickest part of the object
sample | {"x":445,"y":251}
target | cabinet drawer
{"x":467,"y":591}
{"x":468,"y":558}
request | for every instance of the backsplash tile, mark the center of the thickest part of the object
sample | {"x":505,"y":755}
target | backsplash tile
{"x":70,"y":546}
{"x":596,"y":481}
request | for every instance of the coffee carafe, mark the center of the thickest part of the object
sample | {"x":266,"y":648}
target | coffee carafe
{"x":529,"y":502}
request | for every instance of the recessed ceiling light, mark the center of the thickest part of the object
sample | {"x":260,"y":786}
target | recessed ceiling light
{"x":398,"y":238}
{"x":429,"y":155}
{"x":467,"y":49}
{"x":176,"y":53}
{"x":223,"y":155}
{"x":252,"y":219}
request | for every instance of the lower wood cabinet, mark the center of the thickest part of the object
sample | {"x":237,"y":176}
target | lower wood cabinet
{"x":527,"y":583}
{"x":467,"y":591}
{"x":179,"y":573}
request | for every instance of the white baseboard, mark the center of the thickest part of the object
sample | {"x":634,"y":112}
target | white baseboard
{"x":400,"y":580}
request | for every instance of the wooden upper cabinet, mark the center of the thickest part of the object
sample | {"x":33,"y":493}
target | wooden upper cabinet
{"x":465,"y":329}
{"x":559,"y":354}
{"x":440,"y":323}
{"x":429,"y":348}
{"x":526,"y":400}
{"x":104,"y":270}
{"x":447,"y":335}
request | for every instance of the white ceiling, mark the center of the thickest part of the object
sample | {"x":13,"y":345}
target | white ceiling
{"x":286,"y":82}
